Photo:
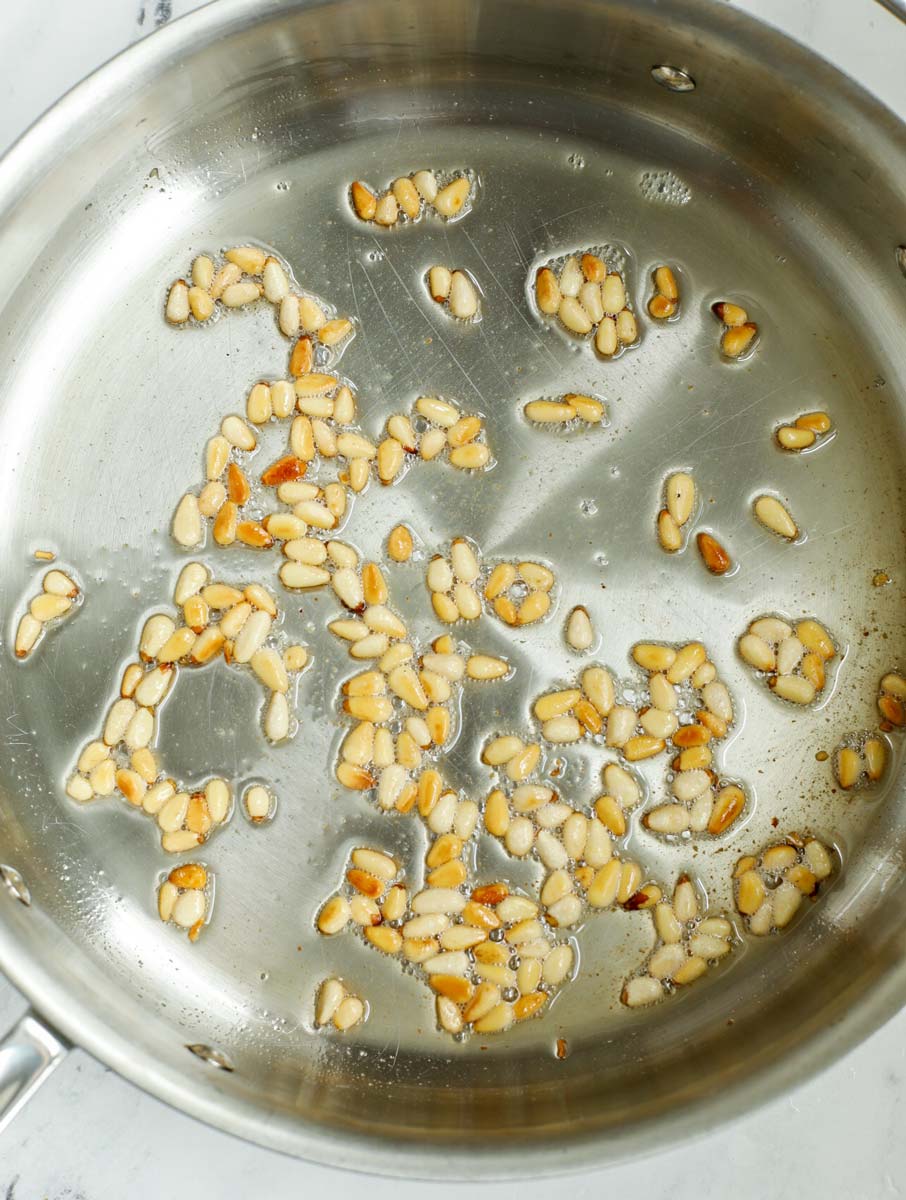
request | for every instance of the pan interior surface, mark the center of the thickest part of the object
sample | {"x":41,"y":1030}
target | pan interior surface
{"x":246,"y":125}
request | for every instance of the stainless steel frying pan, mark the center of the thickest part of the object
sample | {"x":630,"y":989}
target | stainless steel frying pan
{"x":774,"y":179}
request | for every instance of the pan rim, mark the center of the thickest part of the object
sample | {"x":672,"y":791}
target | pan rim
{"x":20,"y":168}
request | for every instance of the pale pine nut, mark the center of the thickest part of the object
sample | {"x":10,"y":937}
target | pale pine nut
{"x":433,"y":442}
{"x":573,"y":316}
{"x":486,"y":666}
{"x":791,"y":438}
{"x":426,"y":184}
{"x":439,"y":281}
{"x":177,"y":307}
{"x":621,"y":723}
{"x":227,"y":275}
{"x":579,"y":632}
{"x":793,"y":688}
{"x":27,"y":633}
{"x":187,"y":527}
{"x":571,"y":278}
{"x":589,"y":296}
{"x":598,"y":687}
{"x":687,"y":661}
{"x":238,"y":295}
{"x":449,"y":200}
{"x":613,"y":294}
{"x":547,"y":412}
{"x":627,"y":327}
{"x":757,"y":652}
{"x":288,"y":316}
{"x":668,"y":532}
{"x":680,"y":495}
{"x":772,"y":514}
{"x":386,"y":210}
{"x":587,"y":408}
{"x":606,"y":339}
{"x":463,"y":300}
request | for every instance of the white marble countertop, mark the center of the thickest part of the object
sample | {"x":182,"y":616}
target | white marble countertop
{"x":88,"y":1135}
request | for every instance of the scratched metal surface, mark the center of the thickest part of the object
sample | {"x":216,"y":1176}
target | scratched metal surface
{"x":103,"y":417}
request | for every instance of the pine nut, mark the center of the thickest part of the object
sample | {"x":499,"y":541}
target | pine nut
{"x":792,"y":687}
{"x":621,"y":722}
{"x":606,"y":338}
{"x":463,"y":300}
{"x":177,"y":308}
{"x":579,"y":632}
{"x":849,"y":767}
{"x":772,"y":514}
{"x":792,"y":438}
{"x":680,"y":495}
{"x":547,"y":291}
{"x":589,"y":296}
{"x":439,"y":281}
{"x":449,"y":200}
{"x":573,"y":316}
{"x":627,"y":328}
{"x":238,"y":295}
{"x":730,"y":314}
{"x":714,"y":556}
{"x":668,"y":532}
{"x":613,"y":294}
{"x":186,"y":527}
{"x":547,"y":412}
{"x":485,"y":666}
{"x":738,"y":339}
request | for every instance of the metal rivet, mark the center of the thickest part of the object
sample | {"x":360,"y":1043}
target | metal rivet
{"x":208,"y":1054}
{"x":901,"y":258}
{"x":15,"y":884}
{"x":675,"y":79}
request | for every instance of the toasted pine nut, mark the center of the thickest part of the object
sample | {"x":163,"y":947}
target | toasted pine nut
{"x":714,"y":556}
{"x":730,"y":314}
{"x":400,"y":544}
{"x":653,"y":657}
{"x":849,"y":767}
{"x":818,"y":422}
{"x":816,"y":638}
{"x":547,"y":291}
{"x":738,"y":339}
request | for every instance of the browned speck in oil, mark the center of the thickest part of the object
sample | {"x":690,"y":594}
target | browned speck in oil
{"x":561,"y":1049}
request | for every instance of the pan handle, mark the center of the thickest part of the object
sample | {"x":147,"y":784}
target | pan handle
{"x":28,"y":1054}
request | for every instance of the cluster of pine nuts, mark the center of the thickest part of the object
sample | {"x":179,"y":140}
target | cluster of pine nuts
{"x":740,"y":334}
{"x":185,"y":897}
{"x":794,"y":661}
{"x":419,"y":692}
{"x":588,"y":299}
{"x":520,"y":593}
{"x":247,"y":275}
{"x":805,"y":431}
{"x":58,"y":598}
{"x":409,"y":197}
{"x":863,"y":757}
{"x":451,"y":582}
{"x":456,"y":291}
{"x":322,"y":429}
{"x":665,"y":301}
{"x":679,"y":504}
{"x":570,"y":409}
{"x":688,"y":943}
{"x":335,"y":1005}
{"x":770,"y":886}
{"x":892,"y":701}
{"x":217,"y":619}
{"x":860,"y":757}
{"x":485,"y":955}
